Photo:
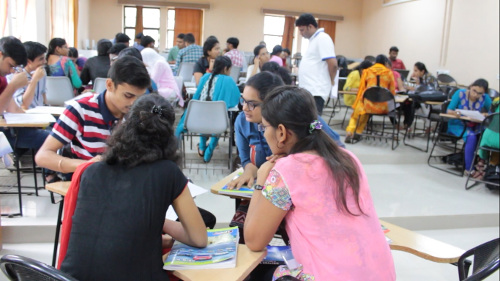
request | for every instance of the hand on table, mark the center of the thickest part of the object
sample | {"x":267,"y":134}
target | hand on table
{"x":247,"y":178}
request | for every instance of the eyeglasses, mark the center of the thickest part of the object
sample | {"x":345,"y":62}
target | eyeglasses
{"x":262,"y":128}
{"x":250,"y":104}
{"x":477,"y":93}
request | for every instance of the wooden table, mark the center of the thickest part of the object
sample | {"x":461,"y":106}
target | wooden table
{"x":461,"y":117}
{"x":23,"y":125}
{"x":246,"y":261}
{"x":402,"y":239}
{"x":420,"y":245}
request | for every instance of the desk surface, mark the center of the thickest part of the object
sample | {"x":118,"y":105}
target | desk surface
{"x":27,"y":125}
{"x":465,"y":118}
{"x":220,"y":184}
{"x":60,"y":187}
{"x":422,"y":246}
{"x":245,"y":263}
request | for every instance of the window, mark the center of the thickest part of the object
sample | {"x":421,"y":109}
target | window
{"x":170,"y":28}
{"x":150,"y":22}
{"x":273,"y":30}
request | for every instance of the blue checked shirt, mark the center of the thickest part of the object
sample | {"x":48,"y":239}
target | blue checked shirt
{"x":191,"y":53}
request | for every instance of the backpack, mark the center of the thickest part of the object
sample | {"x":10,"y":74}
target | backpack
{"x":492,"y":175}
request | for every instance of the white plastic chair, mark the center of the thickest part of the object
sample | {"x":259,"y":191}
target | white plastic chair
{"x":99,"y":85}
{"x":186,"y":70}
{"x":205,"y":118}
{"x":235,"y":73}
{"x":59,"y":90}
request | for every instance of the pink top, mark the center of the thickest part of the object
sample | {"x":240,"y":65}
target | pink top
{"x":329,"y":244}
{"x":277,"y":60}
{"x":396,"y":76}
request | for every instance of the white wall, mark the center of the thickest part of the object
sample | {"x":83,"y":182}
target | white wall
{"x":419,"y":29}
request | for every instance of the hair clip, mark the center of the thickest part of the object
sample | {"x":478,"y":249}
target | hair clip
{"x":315,"y":125}
{"x":156,"y":109}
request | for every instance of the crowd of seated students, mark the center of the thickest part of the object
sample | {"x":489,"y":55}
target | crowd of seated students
{"x":124,"y":140}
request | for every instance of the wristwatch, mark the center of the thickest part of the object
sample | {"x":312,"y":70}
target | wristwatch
{"x":258,"y":187}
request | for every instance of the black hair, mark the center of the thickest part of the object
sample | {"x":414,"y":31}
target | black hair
{"x":363,"y":65}
{"x":146,"y":40}
{"x":139,"y":35}
{"x":233,"y":41}
{"x":181,"y":36}
{"x":394,"y":49}
{"x":12,"y":47}
{"x":295,"y":109}
{"x":382,"y":59}
{"x":117,"y":48}
{"x":73,"y":52}
{"x":103,"y":47}
{"x":130,"y":51}
{"x":264,"y":82}
{"x":480,"y":83}
{"x":131,"y":71}
{"x":122,"y":38}
{"x":275,"y":68}
{"x":286,"y":50}
{"x":53,"y":44}
{"x":257,"y":49}
{"x":277,"y":50}
{"x":34,"y":49}
{"x":146,"y":135}
{"x":420,"y":66}
{"x":305,"y":20}
{"x":220,"y":64}
{"x":209,"y":45}
{"x":189,"y":38}
{"x":370,"y":58}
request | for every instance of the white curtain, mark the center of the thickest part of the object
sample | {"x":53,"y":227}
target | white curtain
{"x":18,"y":18}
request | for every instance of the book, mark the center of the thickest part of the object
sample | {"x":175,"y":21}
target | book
{"x":244,"y":191}
{"x":274,"y":255}
{"x":28,"y":118}
{"x":221,"y":252}
{"x":473,"y":114}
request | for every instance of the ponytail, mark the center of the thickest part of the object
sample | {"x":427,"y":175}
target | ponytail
{"x":220,"y":64}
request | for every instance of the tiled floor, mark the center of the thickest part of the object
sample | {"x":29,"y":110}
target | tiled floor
{"x":406,"y":191}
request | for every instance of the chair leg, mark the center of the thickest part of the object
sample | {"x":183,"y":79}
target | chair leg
{"x":34,"y":171}
{"x":58,"y":229}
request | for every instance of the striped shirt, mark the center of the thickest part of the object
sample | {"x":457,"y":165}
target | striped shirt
{"x":86,"y":124}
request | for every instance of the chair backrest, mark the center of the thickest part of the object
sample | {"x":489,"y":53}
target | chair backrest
{"x":486,"y":261}
{"x":493,"y":93}
{"x":206,"y":117}
{"x":180,"y":82}
{"x":186,"y":70}
{"x":444,"y":78}
{"x":99,"y":85}
{"x":59,"y":90}
{"x":235,"y":73}
{"x":22,"y":268}
{"x":378,"y":94}
{"x":492,"y":123}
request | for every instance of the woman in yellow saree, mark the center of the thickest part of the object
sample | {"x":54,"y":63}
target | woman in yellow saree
{"x":377,"y":75}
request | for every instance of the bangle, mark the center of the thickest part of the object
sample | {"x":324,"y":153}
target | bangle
{"x":59,"y":166}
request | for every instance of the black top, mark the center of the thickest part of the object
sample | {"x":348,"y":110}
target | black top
{"x":95,"y":67}
{"x":201,"y":65}
{"x":118,"y":221}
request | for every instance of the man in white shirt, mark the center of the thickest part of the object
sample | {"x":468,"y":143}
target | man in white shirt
{"x":318,"y":67}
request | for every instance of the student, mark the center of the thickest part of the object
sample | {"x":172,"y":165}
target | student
{"x":237,"y":58}
{"x":211,"y":50}
{"x":87,"y":122}
{"x":161,"y":73}
{"x":475,"y":97}
{"x":137,"y":41}
{"x":321,"y":192}
{"x":190,"y":53}
{"x":78,"y":61}
{"x":98,"y":66}
{"x":377,"y":75}
{"x":12,"y":56}
{"x":132,"y":51}
{"x":58,"y":63}
{"x":353,"y":80}
{"x":261,"y":57}
{"x":281,"y":71}
{"x":114,"y":51}
{"x":276,"y":55}
{"x":147,"y":42}
{"x":122,"y":38}
{"x":33,"y":94}
{"x":179,"y":44}
{"x":122,"y":200}
{"x":214,"y":86}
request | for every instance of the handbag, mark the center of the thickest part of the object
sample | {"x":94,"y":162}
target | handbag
{"x":492,"y":175}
